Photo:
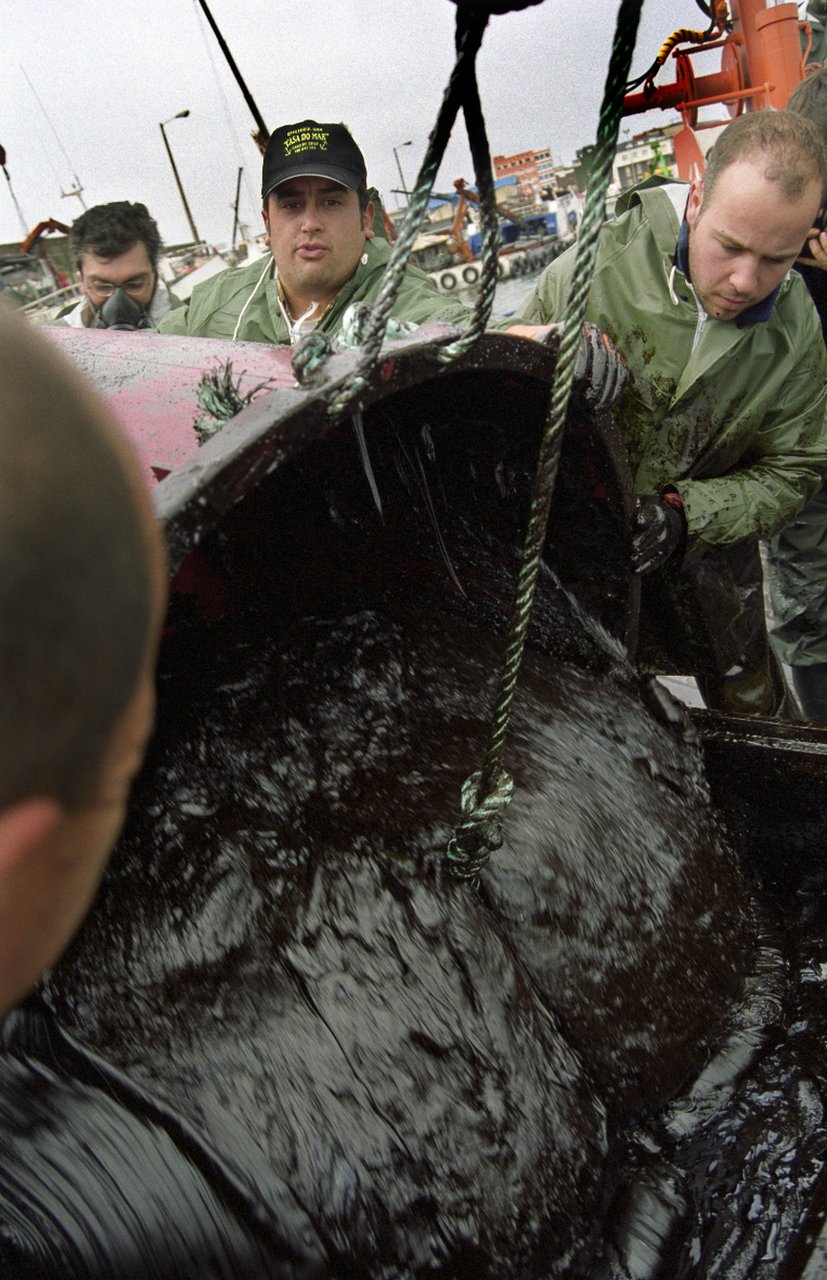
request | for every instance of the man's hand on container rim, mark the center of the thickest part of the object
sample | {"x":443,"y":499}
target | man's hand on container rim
{"x":600,"y":371}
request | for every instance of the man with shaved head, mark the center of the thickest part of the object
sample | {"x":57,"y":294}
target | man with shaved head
{"x":97,"y":1179}
{"x":81,"y":596}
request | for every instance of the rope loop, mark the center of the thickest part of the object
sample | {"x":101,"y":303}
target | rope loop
{"x":479,"y":833}
{"x":310,"y":355}
{"x":550,"y":445}
{"x":462,"y":92}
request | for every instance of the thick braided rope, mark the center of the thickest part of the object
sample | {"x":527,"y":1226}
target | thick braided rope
{"x":470,"y":30}
{"x":489,"y":222}
{"x":465,"y":860}
{"x":310,"y":355}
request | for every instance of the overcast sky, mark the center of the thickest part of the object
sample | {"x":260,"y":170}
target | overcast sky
{"x":85,"y":84}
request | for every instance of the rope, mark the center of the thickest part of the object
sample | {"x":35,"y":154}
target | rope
{"x":489,"y":222}
{"x":317,"y":346}
{"x":219,"y":399}
{"x":470,"y":846}
{"x":461,"y":91}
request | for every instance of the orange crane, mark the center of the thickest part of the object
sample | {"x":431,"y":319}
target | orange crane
{"x":33,"y":238}
{"x":456,"y":241}
{"x":761,"y":63}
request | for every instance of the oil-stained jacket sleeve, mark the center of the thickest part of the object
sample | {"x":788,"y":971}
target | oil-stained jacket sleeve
{"x":781,"y":468}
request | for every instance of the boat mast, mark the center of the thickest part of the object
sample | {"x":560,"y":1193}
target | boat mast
{"x":235,"y":206}
{"x":262,"y":132}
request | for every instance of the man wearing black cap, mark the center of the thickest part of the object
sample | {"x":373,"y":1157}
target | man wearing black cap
{"x":325,"y":254}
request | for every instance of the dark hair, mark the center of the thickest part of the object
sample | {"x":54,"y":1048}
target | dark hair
{"x":788,"y":146}
{"x":809,"y":99}
{"x":111,"y":229}
{"x":75,"y":579}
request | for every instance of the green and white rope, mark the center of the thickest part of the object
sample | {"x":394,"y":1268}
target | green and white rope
{"x":469,"y":848}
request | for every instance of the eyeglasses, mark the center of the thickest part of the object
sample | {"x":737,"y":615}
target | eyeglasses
{"x":105,"y":288}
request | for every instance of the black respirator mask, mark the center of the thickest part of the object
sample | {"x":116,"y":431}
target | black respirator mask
{"x":120,"y":311}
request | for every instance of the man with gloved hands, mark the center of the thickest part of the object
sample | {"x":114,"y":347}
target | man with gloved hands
{"x":723,"y":411}
{"x":116,"y":248}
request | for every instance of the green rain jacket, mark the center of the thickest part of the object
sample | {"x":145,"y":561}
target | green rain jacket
{"x":214,"y":309}
{"x":730,"y":413}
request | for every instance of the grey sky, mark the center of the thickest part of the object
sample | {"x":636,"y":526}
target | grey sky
{"x":86,"y":82}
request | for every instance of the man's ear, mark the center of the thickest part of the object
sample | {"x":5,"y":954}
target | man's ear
{"x":265,"y":217}
{"x":696,"y":199}
{"x":369,"y":216}
{"x":25,"y":827}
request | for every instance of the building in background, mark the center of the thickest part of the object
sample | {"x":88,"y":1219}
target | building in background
{"x":643,"y":156}
{"x":534,"y":173}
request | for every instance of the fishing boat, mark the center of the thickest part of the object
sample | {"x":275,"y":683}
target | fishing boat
{"x":527,"y":243}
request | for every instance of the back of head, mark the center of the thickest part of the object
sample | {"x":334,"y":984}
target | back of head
{"x":788,"y":148}
{"x":111,"y":229}
{"x":75,"y":580}
{"x":809,"y":99}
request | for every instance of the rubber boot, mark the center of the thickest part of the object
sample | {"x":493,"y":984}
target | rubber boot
{"x":762,"y":692}
{"x":811,"y":687}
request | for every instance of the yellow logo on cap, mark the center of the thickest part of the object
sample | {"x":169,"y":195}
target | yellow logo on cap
{"x":298,"y":140}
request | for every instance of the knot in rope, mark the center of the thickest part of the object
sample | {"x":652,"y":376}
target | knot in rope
{"x":355,"y":321}
{"x":315,"y":348}
{"x":310,"y":355}
{"x":479,"y":832}
{"x":354,"y":326}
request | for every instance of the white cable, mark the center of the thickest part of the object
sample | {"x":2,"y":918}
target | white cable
{"x":268,"y":264}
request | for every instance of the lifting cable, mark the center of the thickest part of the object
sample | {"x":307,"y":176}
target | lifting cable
{"x":487,"y":792}
{"x":368,"y":324}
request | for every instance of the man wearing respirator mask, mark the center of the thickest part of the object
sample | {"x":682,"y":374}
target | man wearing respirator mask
{"x":116,"y":248}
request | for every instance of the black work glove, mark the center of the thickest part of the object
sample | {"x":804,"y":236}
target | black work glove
{"x":659,"y":530}
{"x":600,"y":371}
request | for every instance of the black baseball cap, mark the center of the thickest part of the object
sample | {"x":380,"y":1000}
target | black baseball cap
{"x":312,"y":150}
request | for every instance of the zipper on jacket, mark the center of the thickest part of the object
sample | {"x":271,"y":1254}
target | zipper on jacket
{"x":700,"y":323}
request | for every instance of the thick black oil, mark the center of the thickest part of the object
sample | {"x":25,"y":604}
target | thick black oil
{"x":286,"y":1043}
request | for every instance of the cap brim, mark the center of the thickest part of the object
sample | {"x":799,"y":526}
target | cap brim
{"x":345,"y":177}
